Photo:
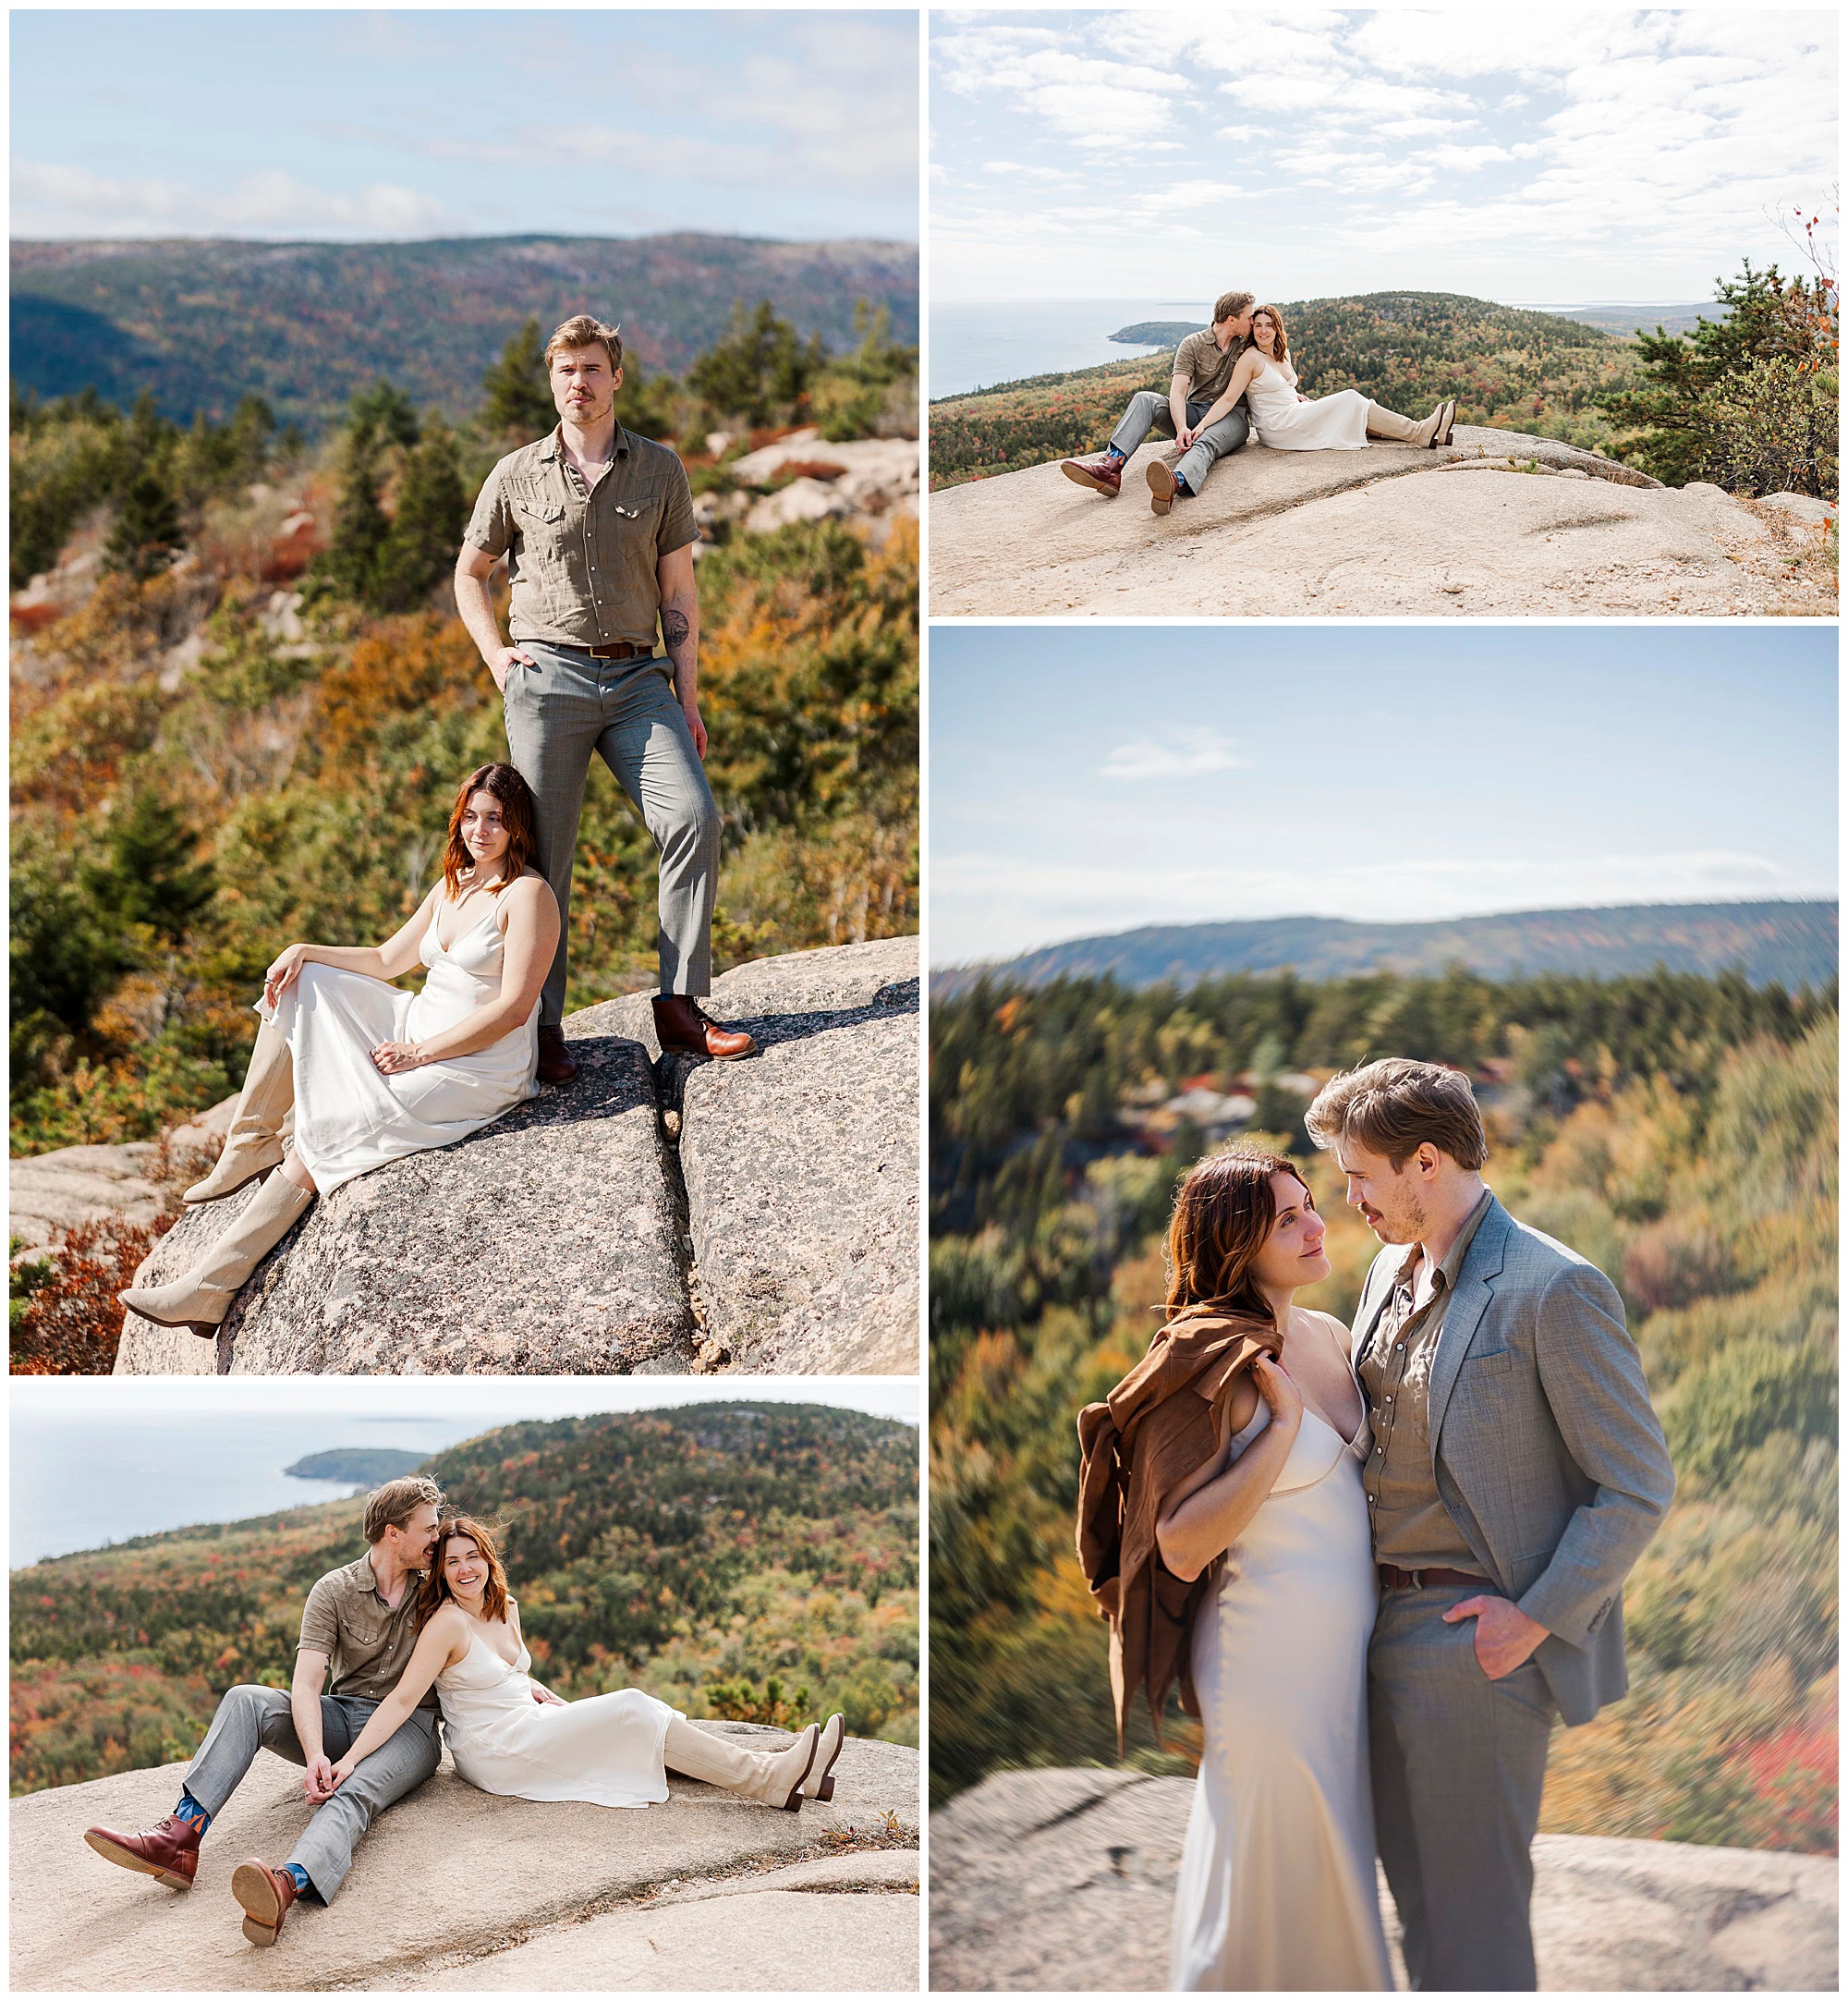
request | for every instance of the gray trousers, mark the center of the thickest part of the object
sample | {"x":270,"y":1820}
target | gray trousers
{"x":572,"y":706}
{"x":250,"y":1719}
{"x":1458,"y":1762}
{"x":1149,"y":412}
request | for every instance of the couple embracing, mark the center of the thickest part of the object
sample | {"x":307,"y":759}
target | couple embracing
{"x":421,"y":1628}
{"x":1231,"y":380}
{"x":1379,"y":1562}
{"x":348,"y":1071}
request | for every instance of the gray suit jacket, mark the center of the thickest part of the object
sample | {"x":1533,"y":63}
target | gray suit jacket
{"x":1547,"y":1453}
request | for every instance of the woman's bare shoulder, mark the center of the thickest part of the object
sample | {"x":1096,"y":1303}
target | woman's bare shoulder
{"x":1339,"y":1328}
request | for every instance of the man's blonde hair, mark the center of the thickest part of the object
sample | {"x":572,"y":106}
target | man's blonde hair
{"x":392,"y":1505}
{"x":581,"y":330}
{"x":1229,"y":305}
{"x":1394,"y":1106}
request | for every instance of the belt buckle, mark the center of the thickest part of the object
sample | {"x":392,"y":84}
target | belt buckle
{"x":1418,"y":1577}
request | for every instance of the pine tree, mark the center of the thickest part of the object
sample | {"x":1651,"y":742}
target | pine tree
{"x":760,"y":366}
{"x":147,"y":535}
{"x":151,"y":879}
{"x":520,"y":391}
{"x":418,"y":551}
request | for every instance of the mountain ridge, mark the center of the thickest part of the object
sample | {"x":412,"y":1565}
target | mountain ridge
{"x":201,"y":322}
{"x":1767,"y":940}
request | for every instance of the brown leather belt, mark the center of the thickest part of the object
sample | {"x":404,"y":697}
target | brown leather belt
{"x":622,"y":650}
{"x":1395,"y":1579}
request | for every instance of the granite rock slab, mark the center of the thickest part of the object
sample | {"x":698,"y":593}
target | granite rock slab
{"x":1029,"y":1871}
{"x":448,"y":1876}
{"x":801,"y":1164}
{"x":550,"y":1243}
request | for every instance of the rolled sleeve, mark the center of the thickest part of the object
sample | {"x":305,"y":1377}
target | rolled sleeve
{"x":320,"y":1620}
{"x":491,"y":528}
{"x":677,"y":526}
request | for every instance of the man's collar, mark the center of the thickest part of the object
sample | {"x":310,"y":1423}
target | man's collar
{"x":554,"y":444}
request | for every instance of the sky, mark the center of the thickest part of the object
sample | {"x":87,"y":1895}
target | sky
{"x":357,"y":126}
{"x":1088,"y":780}
{"x":1523,"y":154}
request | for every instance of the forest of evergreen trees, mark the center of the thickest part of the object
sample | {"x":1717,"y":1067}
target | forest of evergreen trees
{"x":1680,"y":1132}
{"x":703,"y":1553}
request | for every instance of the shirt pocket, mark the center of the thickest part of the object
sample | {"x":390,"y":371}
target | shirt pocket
{"x":541,"y":519}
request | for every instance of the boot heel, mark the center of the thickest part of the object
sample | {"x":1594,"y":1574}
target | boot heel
{"x":825,"y":1790}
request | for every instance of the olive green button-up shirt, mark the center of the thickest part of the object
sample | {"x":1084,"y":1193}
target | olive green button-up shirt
{"x":368,"y":1641}
{"x":1411,"y":1526}
{"x":582,"y":559}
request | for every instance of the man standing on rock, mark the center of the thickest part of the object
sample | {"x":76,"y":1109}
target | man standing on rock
{"x":596,"y":525}
{"x":361,"y":1620}
{"x":1517,"y":1472}
{"x":1203,"y":366}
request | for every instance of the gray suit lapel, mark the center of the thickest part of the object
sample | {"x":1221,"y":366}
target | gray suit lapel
{"x":1462,"y":1316}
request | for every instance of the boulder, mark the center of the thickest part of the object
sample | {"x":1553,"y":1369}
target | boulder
{"x":1066,"y":1879}
{"x":49,"y":1193}
{"x":1804,"y":507}
{"x":1482,"y":527}
{"x":801,"y":1164}
{"x":573,"y":1237}
{"x":456,"y":1888}
{"x":801,"y":500}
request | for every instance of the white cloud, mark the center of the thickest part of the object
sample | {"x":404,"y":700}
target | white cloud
{"x":63,"y":200}
{"x":1598,"y":154}
{"x":1184,"y":753}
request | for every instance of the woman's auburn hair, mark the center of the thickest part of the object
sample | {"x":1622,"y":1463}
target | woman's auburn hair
{"x":434,"y":1592}
{"x":1224,"y":1212}
{"x":1281,"y":352}
{"x":514,"y":797}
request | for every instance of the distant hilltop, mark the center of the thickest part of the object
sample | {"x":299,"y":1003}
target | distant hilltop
{"x":365,"y":1465}
{"x":1790,"y":944}
{"x":200,"y":324}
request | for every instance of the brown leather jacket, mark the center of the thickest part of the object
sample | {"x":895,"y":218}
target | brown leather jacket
{"x":1161,"y":1423}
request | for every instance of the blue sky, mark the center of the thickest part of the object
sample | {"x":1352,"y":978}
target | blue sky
{"x":1517,"y":154}
{"x":1088,"y":780}
{"x":379,"y":126}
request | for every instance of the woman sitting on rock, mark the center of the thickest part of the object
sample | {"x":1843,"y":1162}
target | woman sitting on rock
{"x":510,"y":1735}
{"x":1289,"y":422}
{"x":371,"y":1072}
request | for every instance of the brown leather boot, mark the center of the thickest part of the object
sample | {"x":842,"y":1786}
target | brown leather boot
{"x":169,"y":1852}
{"x":556,"y":1064}
{"x":1102,"y":474}
{"x":681,"y":1023}
{"x":266,"y":1894}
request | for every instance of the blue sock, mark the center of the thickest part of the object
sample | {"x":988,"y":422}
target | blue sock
{"x":189,"y":1808}
{"x":1109,"y":451}
{"x":1181,"y":485}
{"x":300,"y":1875}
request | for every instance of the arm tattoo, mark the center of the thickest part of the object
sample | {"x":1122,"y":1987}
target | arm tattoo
{"x":675,"y":629}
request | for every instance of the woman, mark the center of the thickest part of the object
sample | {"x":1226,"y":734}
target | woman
{"x":373,"y":1073}
{"x":1265,"y":1536}
{"x":1289,"y":422}
{"x":507,"y":1734}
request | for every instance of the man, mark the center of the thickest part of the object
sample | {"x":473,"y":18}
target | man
{"x":597,"y":528}
{"x":361,"y":1619}
{"x":1517,"y":1473}
{"x":1203,"y":366}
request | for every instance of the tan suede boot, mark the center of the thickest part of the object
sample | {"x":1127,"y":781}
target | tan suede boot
{"x":773,"y":1777}
{"x":201,"y":1299}
{"x":253,"y":1145}
{"x":820,"y":1784}
{"x":1384,"y":423}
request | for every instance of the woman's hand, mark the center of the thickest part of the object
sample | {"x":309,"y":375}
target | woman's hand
{"x":1277,"y":1390}
{"x":545,"y":1695}
{"x":287,"y":964}
{"x":391,"y":1059}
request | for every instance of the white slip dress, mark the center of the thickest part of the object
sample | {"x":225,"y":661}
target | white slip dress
{"x":1331,"y":423}
{"x":1277,"y":1890}
{"x":349,"y":1117}
{"x":605,"y":1749}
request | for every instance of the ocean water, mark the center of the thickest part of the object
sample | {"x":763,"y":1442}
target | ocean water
{"x":81,"y":1480}
{"x":974,"y":347}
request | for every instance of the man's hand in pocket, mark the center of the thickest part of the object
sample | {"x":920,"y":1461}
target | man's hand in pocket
{"x":1505,"y":1636}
